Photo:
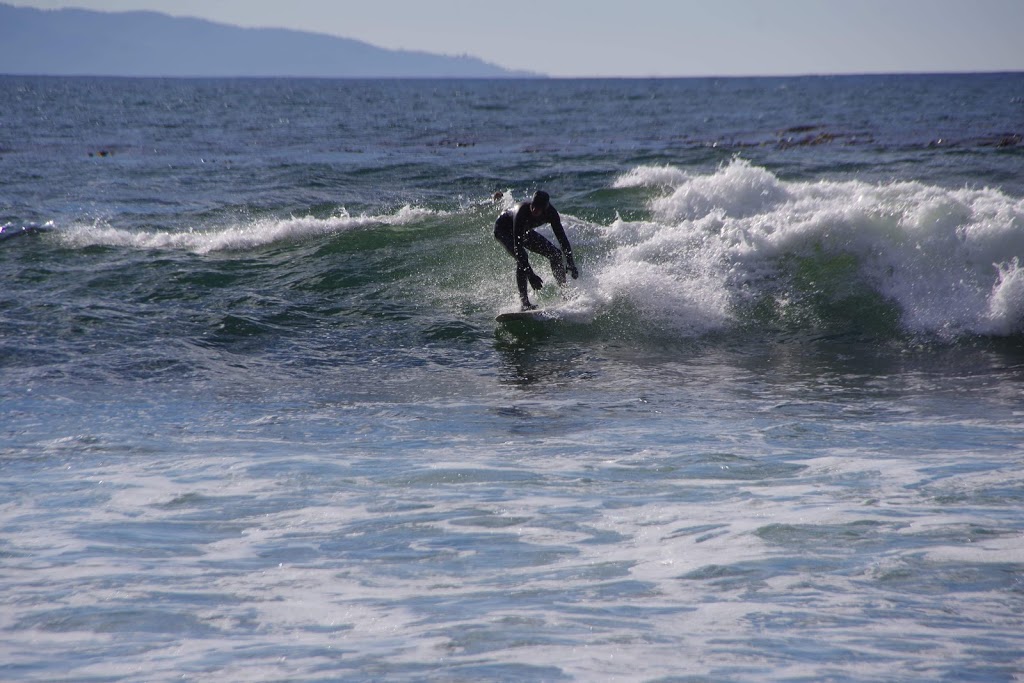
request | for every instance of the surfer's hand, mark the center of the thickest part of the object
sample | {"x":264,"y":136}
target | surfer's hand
{"x":573,"y":270}
{"x":535,"y":280}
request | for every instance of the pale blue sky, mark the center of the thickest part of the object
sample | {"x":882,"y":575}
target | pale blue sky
{"x":649,"y":37}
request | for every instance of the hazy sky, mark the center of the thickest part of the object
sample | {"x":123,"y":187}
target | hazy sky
{"x":649,"y":37}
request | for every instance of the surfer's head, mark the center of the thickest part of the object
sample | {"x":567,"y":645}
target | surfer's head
{"x":540,"y":202}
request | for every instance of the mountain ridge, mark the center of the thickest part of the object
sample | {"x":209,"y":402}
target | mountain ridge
{"x":79,"y":42}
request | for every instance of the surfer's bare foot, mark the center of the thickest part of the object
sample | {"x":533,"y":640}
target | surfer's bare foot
{"x":527,"y":306}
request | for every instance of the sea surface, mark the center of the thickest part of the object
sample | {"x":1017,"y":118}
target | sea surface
{"x":257,"y":421}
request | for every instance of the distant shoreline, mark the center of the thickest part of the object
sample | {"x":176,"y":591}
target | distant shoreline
{"x":77,"y":42}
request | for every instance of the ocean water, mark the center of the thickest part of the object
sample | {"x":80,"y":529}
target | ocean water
{"x":257,"y":422}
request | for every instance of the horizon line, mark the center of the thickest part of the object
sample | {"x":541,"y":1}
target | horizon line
{"x":535,"y":77}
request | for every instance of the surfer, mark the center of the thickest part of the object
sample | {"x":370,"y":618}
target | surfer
{"x":516,"y":230}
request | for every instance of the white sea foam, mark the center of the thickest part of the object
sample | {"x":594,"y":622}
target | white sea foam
{"x":948,"y":259}
{"x":236,"y":237}
{"x":651,"y":176}
{"x":556,"y":550}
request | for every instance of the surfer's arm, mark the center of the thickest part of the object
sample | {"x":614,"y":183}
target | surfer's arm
{"x":563,"y":240}
{"x":556,"y":227}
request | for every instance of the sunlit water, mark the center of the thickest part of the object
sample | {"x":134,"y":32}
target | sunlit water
{"x":259,"y":422}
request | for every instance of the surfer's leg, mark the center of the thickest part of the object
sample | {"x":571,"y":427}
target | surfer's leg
{"x":521,"y":280}
{"x":541,"y":245}
{"x":503,"y":233}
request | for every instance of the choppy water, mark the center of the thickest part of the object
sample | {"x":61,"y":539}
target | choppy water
{"x":258,"y":422}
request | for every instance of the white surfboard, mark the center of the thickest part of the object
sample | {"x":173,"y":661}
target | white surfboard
{"x":533,"y":315}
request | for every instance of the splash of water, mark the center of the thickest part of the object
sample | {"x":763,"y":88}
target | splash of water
{"x":720,"y":247}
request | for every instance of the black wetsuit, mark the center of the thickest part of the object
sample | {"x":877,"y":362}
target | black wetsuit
{"x":515,"y":229}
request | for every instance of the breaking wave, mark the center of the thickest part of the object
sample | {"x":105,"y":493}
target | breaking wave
{"x":741,"y":245}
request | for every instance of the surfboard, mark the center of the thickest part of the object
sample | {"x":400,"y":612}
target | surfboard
{"x":534,"y":315}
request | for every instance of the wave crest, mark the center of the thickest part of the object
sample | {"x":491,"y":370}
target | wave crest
{"x":742,"y":245}
{"x":238,"y":237}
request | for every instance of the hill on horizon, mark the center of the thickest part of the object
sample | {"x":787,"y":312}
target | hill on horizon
{"x":76,"y":42}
